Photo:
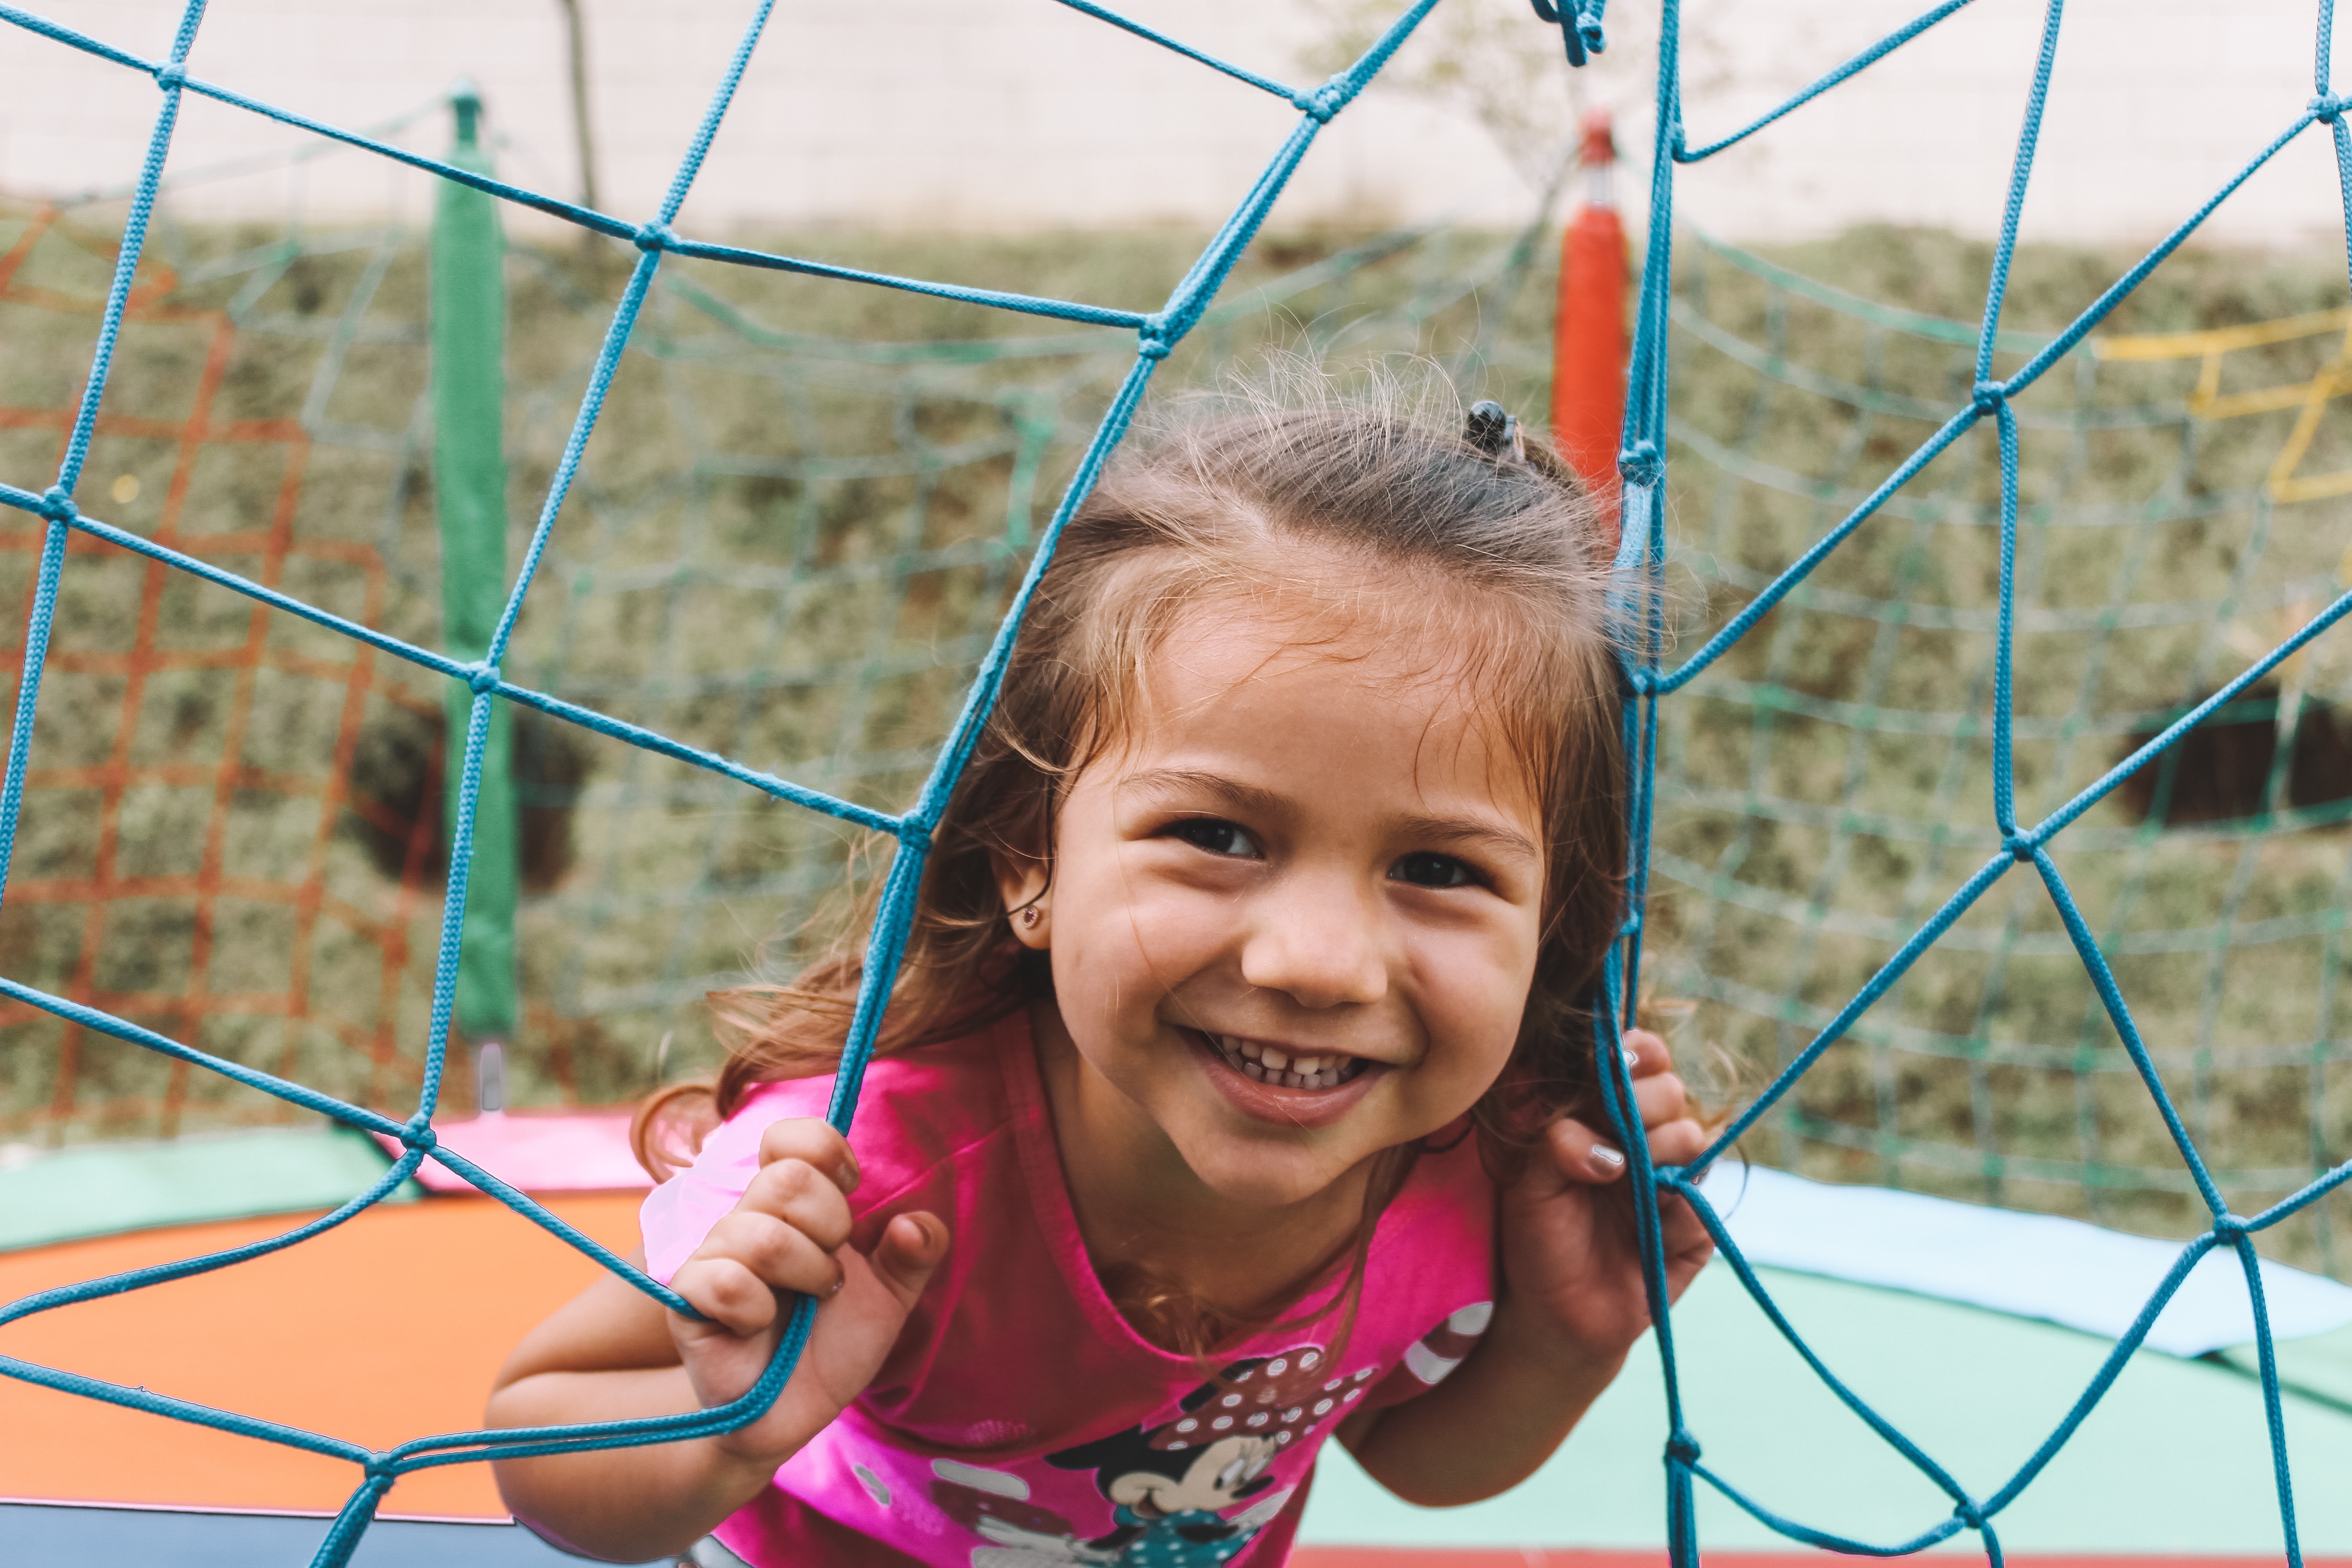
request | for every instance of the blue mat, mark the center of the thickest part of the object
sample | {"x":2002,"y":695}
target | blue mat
{"x":58,"y":1535}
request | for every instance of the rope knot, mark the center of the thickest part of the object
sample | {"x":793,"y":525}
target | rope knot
{"x":1987,"y":395}
{"x":418,"y":1134}
{"x":56,"y":505}
{"x":482,"y":677}
{"x":1580,"y":26}
{"x":655,"y":235}
{"x":1638,"y":464}
{"x":1966,"y":1511}
{"x":169,"y":75}
{"x":2021,"y":846}
{"x":1682,"y":1447}
{"x":2328,"y":108}
{"x":2230,"y":1226}
{"x":1322,"y":104}
{"x":1153,"y":343}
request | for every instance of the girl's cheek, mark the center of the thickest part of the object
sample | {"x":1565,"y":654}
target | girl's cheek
{"x":1176,"y":930}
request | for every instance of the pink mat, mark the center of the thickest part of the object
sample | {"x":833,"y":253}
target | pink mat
{"x":570,"y":1152}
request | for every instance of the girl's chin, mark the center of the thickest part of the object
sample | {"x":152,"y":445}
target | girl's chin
{"x":1305,"y":1109}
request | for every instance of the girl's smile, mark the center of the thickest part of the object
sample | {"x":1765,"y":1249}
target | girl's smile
{"x":1254,"y":1077}
{"x":1293,"y":913}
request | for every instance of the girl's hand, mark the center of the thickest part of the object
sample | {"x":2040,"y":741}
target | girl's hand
{"x":791,"y":1233}
{"x":1570,"y":1260}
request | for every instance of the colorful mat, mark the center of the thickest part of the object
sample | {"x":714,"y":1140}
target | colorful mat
{"x":64,"y":1535}
{"x":2172,"y":1462}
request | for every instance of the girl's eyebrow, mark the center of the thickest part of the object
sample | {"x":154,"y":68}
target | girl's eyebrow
{"x":1460,"y":831}
{"x":1266,"y":803}
{"x":1177,"y":781}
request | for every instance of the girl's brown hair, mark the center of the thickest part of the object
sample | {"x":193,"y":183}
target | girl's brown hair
{"x":1502,"y":557}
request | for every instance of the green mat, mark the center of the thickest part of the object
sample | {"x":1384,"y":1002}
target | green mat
{"x":2320,"y":1366}
{"x":101,"y":1189}
{"x":2174,"y":1459}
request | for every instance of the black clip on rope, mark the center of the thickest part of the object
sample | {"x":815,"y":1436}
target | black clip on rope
{"x":1580,"y":26}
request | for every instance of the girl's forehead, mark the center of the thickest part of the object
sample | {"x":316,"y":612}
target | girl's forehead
{"x":1309,"y":639}
{"x":1369,"y":692}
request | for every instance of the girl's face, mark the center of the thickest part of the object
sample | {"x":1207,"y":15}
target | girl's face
{"x":1294,"y":918}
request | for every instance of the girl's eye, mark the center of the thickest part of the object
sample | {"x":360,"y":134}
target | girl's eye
{"x":1428,"y":870}
{"x":1216,"y":838}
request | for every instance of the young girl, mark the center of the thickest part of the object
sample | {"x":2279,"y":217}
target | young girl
{"x":1237,"y":1090}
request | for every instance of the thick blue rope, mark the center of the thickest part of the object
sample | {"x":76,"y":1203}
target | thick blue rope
{"x":1157,"y":333}
{"x":1647,"y":679}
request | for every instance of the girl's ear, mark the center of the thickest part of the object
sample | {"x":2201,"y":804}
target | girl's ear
{"x":1026,"y":888}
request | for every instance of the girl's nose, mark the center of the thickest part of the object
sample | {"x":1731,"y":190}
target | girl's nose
{"x":1318,"y":944}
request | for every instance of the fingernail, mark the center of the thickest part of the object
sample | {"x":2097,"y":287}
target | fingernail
{"x":1632,"y":1059}
{"x":839,"y":1280}
{"x":848,"y":1175}
{"x":1608,"y":1158}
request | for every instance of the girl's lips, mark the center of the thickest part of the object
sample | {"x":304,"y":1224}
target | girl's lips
{"x":1302,"y":1107}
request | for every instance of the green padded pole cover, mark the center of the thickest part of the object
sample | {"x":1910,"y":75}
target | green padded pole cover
{"x":470,"y":481}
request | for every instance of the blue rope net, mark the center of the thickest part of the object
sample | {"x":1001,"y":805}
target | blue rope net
{"x":791,"y":546}
{"x":1156,"y":333}
{"x":1822,"y":785}
{"x":1649,"y":677}
{"x":2023,"y":846}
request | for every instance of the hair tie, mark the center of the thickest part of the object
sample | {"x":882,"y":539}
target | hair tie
{"x":1491,"y":429}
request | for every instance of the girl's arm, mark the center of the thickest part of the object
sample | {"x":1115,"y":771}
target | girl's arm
{"x":612,"y":1353}
{"x":607,"y":1355}
{"x":1571,"y":1306}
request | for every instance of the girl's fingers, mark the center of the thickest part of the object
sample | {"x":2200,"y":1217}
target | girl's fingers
{"x":1584,"y":1155}
{"x":1658,"y":1093}
{"x":1681,"y":1228}
{"x":814,"y":1144}
{"x":909,"y":1248}
{"x":802,"y":1195}
{"x":1660,"y":1098}
{"x":779,"y":1255}
{"x":1676,"y":1142}
{"x":1685,"y":1241}
{"x":723,"y":1290}
{"x":1645,"y":1053}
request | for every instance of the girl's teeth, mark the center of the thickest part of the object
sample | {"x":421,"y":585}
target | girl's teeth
{"x":1269,"y":1065}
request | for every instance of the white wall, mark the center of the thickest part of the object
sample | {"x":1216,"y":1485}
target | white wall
{"x":1015,"y":113}
{"x":2154,"y":104}
{"x":921,"y":113}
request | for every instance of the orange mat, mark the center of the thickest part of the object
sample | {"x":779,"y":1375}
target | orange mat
{"x":387,"y":1328}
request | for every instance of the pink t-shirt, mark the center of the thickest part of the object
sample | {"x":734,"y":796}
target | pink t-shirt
{"x":1020,"y":1421}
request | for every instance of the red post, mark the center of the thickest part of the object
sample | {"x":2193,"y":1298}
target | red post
{"x":1589,"y":349}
